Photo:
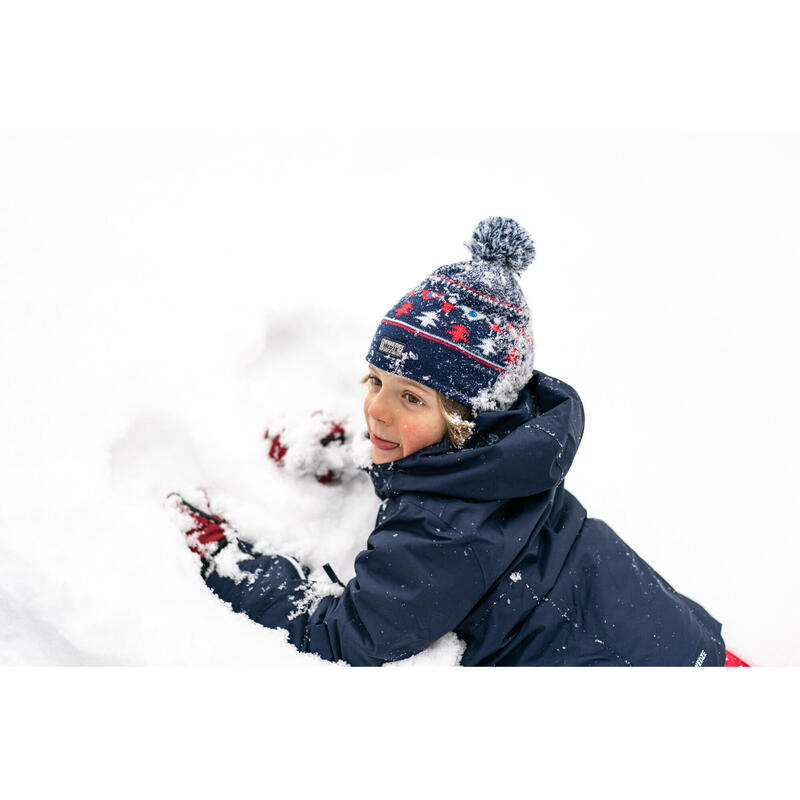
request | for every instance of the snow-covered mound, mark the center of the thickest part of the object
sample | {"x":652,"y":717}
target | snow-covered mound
{"x":168,"y":300}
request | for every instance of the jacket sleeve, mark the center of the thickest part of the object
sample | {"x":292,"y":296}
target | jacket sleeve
{"x":417,"y":579}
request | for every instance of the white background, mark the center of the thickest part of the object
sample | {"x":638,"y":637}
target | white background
{"x":204,"y":210}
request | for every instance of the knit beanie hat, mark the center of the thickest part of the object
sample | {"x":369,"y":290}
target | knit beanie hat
{"x":464,"y":330}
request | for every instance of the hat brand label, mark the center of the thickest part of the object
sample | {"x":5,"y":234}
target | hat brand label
{"x":391,"y":348}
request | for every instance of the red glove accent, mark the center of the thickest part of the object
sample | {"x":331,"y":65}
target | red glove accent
{"x":335,"y":434}
{"x":206,"y":536}
{"x":278,"y":450}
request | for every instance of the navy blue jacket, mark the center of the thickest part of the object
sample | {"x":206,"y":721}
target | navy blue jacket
{"x":486,"y":542}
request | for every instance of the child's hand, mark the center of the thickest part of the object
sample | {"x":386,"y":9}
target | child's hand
{"x":312,"y":448}
{"x":205,"y":531}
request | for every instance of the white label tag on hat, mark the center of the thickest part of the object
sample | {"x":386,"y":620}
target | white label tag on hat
{"x":391,"y":348}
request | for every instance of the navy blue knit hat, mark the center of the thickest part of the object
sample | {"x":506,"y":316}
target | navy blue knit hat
{"x":464,"y":330}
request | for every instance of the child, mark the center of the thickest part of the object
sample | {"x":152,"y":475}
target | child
{"x":477,"y":534}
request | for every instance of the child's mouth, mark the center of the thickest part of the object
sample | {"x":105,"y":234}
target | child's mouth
{"x":382,"y":444}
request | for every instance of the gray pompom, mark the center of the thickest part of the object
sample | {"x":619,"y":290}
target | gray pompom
{"x":503,"y":241}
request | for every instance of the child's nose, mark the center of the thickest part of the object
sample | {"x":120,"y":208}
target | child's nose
{"x":379,"y":410}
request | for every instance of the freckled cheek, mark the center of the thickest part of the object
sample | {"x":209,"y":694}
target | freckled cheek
{"x":416,"y":436}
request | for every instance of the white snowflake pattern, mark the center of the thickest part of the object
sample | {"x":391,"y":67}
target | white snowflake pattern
{"x":428,"y":319}
{"x":487,"y":347}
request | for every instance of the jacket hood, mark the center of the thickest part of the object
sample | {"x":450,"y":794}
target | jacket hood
{"x":523,"y":451}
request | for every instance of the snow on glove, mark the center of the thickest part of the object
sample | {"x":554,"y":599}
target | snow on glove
{"x":318,"y":446}
{"x":207,"y":534}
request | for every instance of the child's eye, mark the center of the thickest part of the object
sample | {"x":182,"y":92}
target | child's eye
{"x":415,"y":401}
{"x":374,"y":380}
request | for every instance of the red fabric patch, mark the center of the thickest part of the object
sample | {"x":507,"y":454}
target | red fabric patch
{"x":732,"y":660}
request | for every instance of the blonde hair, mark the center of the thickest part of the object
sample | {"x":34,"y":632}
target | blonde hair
{"x":458,"y":419}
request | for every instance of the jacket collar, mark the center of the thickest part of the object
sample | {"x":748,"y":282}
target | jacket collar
{"x":523,"y":451}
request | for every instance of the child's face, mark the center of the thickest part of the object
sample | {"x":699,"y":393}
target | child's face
{"x":402,"y":416}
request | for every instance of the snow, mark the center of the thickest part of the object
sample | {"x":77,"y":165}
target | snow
{"x":169,"y":298}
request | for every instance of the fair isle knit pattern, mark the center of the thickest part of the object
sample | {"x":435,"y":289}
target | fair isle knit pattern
{"x":464,"y":330}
